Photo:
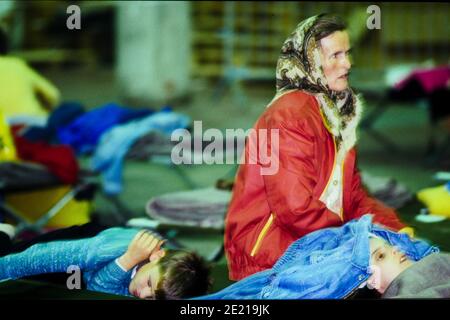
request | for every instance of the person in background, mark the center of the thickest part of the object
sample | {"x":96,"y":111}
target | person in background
{"x":24,"y":91}
{"x":398,"y":276}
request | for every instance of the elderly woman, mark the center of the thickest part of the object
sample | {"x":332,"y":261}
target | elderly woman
{"x":317,"y":184}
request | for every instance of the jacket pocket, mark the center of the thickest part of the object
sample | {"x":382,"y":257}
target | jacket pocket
{"x":262,"y":234}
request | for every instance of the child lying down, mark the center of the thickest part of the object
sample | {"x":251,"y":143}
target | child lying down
{"x":120,"y":261}
{"x":333,"y":263}
{"x":397,"y":276}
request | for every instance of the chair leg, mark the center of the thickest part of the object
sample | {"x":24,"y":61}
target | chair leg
{"x":387,"y":143}
{"x":368,"y":122}
{"x":217,"y":254}
{"x":42,"y":222}
{"x":10,"y":212}
{"x":38,"y":226}
{"x":122,"y":213}
{"x":188,"y":181}
{"x":441,"y":151}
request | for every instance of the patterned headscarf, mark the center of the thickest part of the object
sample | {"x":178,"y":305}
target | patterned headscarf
{"x":299,"y":67}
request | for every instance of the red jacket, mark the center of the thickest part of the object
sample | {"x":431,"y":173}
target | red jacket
{"x":268,"y":212}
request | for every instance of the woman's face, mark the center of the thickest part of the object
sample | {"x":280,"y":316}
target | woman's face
{"x":336,"y":64}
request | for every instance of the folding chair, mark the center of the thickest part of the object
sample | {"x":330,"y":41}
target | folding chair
{"x":20,"y":178}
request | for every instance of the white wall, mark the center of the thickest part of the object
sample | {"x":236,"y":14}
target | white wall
{"x":154,"y":50}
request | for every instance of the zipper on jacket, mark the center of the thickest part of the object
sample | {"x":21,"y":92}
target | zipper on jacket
{"x":343,"y":185}
{"x":261,"y":235}
{"x":341,"y":211}
{"x":331,"y":177}
{"x":325,"y":123}
{"x":332,"y":170}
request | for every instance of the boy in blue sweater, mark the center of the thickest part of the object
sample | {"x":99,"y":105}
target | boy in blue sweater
{"x":121,"y":261}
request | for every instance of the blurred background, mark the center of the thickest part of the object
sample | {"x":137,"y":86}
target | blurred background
{"x":113,"y":79}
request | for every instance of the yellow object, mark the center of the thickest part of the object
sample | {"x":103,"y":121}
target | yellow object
{"x":408,"y":230}
{"x":23,"y":90}
{"x":34,"y":204}
{"x":7,"y":148}
{"x":261,"y":235}
{"x":437,"y":200}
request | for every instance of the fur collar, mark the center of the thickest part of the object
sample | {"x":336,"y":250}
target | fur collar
{"x":342,"y":127}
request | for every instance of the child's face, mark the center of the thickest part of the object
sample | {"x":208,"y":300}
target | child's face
{"x":146,"y":279}
{"x":386,"y":263}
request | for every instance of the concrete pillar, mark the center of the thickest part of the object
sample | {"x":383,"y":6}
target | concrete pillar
{"x":154,"y":51}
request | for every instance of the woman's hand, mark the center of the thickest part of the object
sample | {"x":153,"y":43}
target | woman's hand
{"x":141,"y":248}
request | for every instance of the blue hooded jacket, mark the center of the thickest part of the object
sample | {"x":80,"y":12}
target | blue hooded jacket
{"x":326,"y":264}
